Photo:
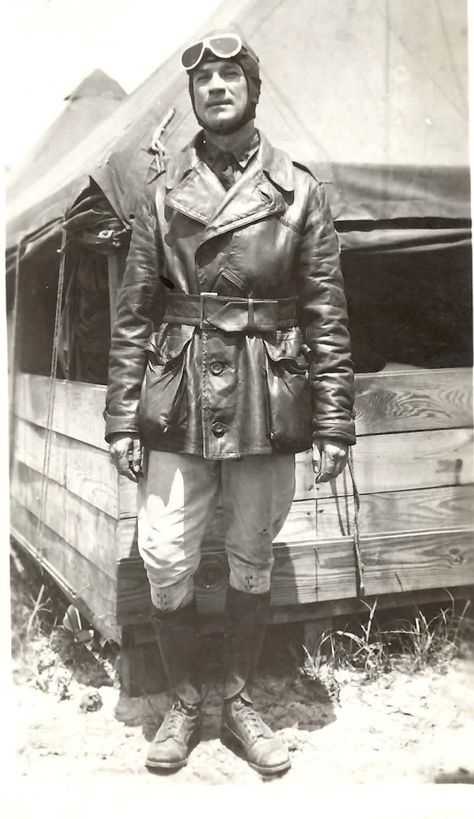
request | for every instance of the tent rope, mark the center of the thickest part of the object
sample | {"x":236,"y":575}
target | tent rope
{"x":156,"y":146}
{"x":51,"y":402}
{"x":359,"y":565}
{"x":356,"y":530}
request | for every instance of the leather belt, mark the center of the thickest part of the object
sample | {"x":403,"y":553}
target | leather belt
{"x":231,"y":314}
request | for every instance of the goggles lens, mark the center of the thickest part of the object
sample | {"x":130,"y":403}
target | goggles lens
{"x":224,"y":46}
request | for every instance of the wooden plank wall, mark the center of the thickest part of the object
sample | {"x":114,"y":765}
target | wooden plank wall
{"x":414,"y":470}
{"x":413,"y":463}
{"x":76,"y":538}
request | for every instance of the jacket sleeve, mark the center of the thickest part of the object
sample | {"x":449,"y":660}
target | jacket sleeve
{"x":137,"y":312}
{"x":323,"y":312}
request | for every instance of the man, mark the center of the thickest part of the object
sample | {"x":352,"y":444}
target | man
{"x":232,"y":286}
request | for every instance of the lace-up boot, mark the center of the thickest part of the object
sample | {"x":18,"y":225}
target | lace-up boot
{"x":177,"y":638}
{"x":176,"y":736}
{"x":242,"y":726}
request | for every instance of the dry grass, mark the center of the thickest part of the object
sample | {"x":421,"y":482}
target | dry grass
{"x":45,"y":655}
{"x":36,"y":606}
{"x":410,"y":644}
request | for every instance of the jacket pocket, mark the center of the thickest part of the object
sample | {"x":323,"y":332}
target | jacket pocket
{"x":163,"y":396}
{"x":288,"y":392}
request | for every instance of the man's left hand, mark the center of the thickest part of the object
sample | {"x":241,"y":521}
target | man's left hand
{"x":329,"y":459}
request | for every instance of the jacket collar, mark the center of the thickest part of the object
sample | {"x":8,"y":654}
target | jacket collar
{"x":194,"y":190}
{"x":277,"y":165}
{"x":180,"y":165}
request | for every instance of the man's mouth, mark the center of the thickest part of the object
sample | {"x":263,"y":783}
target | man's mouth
{"x":218,"y":104}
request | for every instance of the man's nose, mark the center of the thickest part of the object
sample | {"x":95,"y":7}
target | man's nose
{"x":216,"y":83}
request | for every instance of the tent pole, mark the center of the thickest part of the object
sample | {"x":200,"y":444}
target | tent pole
{"x":12,"y":368}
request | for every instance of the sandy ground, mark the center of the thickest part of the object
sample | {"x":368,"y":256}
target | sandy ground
{"x":399,"y":731}
{"x":418,"y":729}
{"x":398,"y":728}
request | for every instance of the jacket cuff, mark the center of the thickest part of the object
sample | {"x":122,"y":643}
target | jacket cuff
{"x":346,"y":436}
{"x":119,"y":424}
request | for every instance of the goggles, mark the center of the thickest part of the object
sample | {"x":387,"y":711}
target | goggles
{"x":223,"y":46}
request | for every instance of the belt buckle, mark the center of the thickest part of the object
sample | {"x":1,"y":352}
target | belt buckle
{"x":202,"y":296}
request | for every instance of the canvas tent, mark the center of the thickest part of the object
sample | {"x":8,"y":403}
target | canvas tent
{"x":92,"y":101}
{"x":36,"y":215}
{"x":368,"y":94}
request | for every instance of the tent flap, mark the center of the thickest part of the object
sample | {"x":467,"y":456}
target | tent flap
{"x":393,"y":240}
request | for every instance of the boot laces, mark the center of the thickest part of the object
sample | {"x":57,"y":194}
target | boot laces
{"x":253,"y":722}
{"x":179,"y":718}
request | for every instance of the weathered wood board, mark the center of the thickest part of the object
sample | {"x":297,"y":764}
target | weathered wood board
{"x":94,"y":592}
{"x":84,"y":470}
{"x":397,"y":562}
{"x":78,"y":407}
{"x":390,"y":462}
{"x":444,"y":507}
{"x":309,"y":573}
{"x":406,"y":401}
{"x":84,"y":527}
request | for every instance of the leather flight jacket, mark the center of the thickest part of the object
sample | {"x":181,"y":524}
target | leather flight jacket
{"x":231,"y":336}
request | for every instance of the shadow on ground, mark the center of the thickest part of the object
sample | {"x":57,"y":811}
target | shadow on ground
{"x":284,"y":699}
{"x":460,"y":777}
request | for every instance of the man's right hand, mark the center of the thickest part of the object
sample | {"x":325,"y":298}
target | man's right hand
{"x":126,"y":455}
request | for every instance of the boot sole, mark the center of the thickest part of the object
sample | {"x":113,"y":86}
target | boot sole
{"x":232,"y":741}
{"x":175,"y":766}
{"x":166,"y":766}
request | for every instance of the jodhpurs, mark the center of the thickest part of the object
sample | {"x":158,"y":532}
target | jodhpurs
{"x":177,"y":496}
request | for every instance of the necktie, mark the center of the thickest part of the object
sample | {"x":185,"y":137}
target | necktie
{"x":222,"y":168}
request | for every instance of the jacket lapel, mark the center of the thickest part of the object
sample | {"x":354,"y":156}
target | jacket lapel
{"x":195,"y":191}
{"x":250,"y":199}
{"x":256,"y":194}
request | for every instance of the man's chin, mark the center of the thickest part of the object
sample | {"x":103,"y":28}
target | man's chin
{"x":220,"y":123}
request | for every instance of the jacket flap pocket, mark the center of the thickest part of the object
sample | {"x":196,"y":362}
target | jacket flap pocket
{"x":286,"y":345}
{"x":169,"y":342}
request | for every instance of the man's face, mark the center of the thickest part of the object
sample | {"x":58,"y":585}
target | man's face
{"x":220,"y":94}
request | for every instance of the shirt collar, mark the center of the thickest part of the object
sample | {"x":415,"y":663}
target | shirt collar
{"x":241,"y":156}
{"x":276,"y":163}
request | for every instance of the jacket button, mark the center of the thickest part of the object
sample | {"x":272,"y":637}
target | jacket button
{"x":218,"y":429}
{"x":216,"y":367}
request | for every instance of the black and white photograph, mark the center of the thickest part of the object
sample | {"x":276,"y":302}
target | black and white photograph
{"x":238,"y":369}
